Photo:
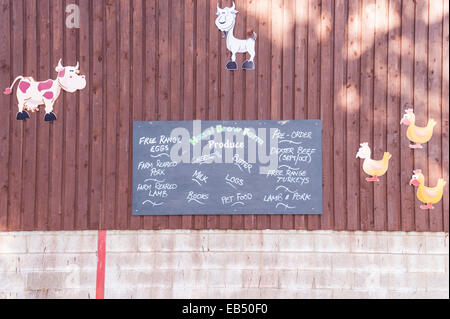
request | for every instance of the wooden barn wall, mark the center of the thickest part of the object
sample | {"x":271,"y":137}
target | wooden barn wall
{"x":357,"y":65}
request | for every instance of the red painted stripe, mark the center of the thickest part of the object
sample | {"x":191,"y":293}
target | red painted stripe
{"x":100,"y":290}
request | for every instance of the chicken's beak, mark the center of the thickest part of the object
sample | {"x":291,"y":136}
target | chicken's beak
{"x":414,"y":182}
{"x":404,"y":121}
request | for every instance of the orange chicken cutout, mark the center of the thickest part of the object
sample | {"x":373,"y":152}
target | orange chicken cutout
{"x":417,"y":134}
{"x":427,"y":195}
{"x":372,"y":167}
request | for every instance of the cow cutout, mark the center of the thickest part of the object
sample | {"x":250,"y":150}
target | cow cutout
{"x":226,"y":19}
{"x":31,"y":94}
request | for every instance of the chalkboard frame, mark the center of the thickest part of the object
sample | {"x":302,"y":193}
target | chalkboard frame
{"x":182,"y":210}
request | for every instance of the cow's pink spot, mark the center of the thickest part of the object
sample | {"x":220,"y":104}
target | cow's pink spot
{"x":48,"y":95}
{"x":45,"y":85}
{"x":61,"y":73}
{"x":23,"y":86}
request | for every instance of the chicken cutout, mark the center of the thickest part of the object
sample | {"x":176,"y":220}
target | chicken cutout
{"x":416,"y":134}
{"x":370,"y":166}
{"x":427,"y":195}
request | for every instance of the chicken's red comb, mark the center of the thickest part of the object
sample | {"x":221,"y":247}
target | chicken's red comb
{"x":409,"y":110}
{"x":417,"y":171}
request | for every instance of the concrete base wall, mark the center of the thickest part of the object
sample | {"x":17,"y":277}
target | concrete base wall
{"x":226,"y":264}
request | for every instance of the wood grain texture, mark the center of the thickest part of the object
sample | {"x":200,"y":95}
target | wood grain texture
{"x":29,"y":130}
{"x":353,"y":111}
{"x":366,"y":108}
{"x":84,"y":120}
{"x":356,"y":65}
{"x":45,"y":71}
{"x":420,"y":81}
{"x":55,"y":213}
{"x":16,"y":130}
{"x":394,"y":115}
{"x":380,"y":109}
{"x":406,"y":102}
{"x":67,"y":112}
{"x":5,"y":77}
{"x":445,"y":111}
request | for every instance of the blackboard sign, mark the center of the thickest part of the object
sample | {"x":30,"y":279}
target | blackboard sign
{"x":227,"y":167}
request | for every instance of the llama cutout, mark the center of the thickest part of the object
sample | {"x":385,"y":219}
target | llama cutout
{"x":31,"y":94}
{"x":226,"y":19}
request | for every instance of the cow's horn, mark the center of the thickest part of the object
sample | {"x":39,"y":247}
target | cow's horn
{"x":233,"y":7}
{"x":60,"y":64}
{"x":218,"y":8}
{"x":78,"y":66}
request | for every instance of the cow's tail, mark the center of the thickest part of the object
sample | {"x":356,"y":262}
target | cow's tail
{"x":8,"y":91}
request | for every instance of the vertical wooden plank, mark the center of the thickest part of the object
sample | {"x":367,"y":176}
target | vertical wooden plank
{"x":30,"y":125}
{"x":123,"y":145}
{"x":421,"y":101}
{"x":83,"y":152}
{"x":287,"y":221}
{"x":97,"y":114}
{"x":176,"y":74}
{"x":56,"y":127}
{"x":444,"y":115}
{"x":301,"y":75}
{"x":226,"y":97}
{"x":394,"y":114}
{"x":138,"y":69}
{"x":339,"y":93}
{"x":276,"y":96}
{"x":263,"y":70}
{"x":150,"y":102}
{"x":68,"y":114}
{"x":214,"y":66}
{"x":276,"y":76}
{"x":314,"y":77}
{"x":163,"y":83}
{"x":201,"y":78}
{"x":8,"y":115}
{"x":110,"y":75}
{"x":251,"y":84}
{"x":353,"y":108}
{"x":407,"y":102}
{"x":251,"y":78}
{"x":16,"y":139}
{"x":45,"y":71}
{"x":366,"y":108}
{"x":434,"y":106}
{"x":326,"y":111}
{"x":214,"y":69}
{"x":264,"y":58}
{"x":189,"y":78}
{"x":239,"y":86}
{"x":380,"y":98}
